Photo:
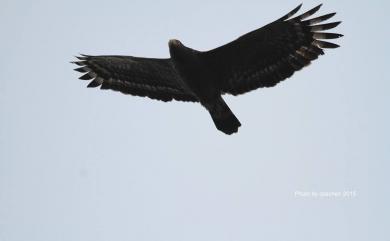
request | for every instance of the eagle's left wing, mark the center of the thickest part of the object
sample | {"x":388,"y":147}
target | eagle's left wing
{"x":268,"y":55}
{"x":154,"y":78}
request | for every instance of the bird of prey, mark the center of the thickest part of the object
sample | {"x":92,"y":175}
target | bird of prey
{"x":261,"y":58}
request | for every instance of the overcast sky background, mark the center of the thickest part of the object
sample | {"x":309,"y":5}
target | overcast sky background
{"x":80,"y":164}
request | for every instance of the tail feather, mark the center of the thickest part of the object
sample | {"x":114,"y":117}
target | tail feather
{"x":223,"y":117}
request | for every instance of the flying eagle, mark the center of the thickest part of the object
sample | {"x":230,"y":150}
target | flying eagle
{"x":261,"y":58}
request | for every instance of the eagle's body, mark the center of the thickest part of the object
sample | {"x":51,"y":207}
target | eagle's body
{"x":261,"y":58}
{"x":202,"y":79}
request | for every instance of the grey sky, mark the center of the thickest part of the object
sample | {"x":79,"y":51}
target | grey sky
{"x":83,"y":164}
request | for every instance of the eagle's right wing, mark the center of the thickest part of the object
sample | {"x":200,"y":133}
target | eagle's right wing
{"x":266,"y":56}
{"x":154,"y":78}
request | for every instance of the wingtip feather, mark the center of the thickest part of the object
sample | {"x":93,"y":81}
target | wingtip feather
{"x":80,"y":57}
{"x":95,"y":83}
{"x":85,"y":77}
{"x":308,"y":13}
{"x":79,"y":63}
{"x":291,"y":13}
{"x":327,"y":35}
{"x":326,"y":45}
{"x":81,"y":70}
{"x":319,"y":19}
{"x":323,"y":27}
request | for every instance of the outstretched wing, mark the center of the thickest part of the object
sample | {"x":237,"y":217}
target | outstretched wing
{"x":268,"y":55}
{"x":154,"y":78}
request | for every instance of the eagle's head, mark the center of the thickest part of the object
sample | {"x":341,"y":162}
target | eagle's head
{"x":177,"y":50}
{"x":181,"y":53}
{"x":174,"y":43}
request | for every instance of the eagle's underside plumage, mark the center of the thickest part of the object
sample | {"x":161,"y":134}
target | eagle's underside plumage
{"x":261,"y":58}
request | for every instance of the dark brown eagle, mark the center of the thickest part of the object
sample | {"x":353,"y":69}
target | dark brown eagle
{"x":261,"y":58}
